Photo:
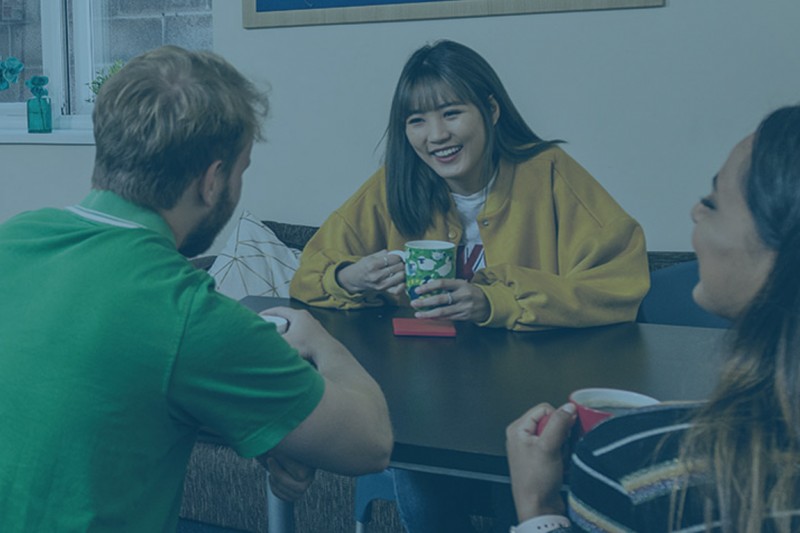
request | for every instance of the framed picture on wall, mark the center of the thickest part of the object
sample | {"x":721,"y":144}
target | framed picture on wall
{"x":270,"y":13}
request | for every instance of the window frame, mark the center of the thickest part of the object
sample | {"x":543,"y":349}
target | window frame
{"x":54,"y":59}
{"x":73,"y":128}
{"x":70,"y":29}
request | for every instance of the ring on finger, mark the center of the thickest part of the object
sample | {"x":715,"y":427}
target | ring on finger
{"x":385,"y":261}
{"x":449,"y":298}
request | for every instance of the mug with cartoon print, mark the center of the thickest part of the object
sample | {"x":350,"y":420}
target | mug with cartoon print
{"x":426,"y":261}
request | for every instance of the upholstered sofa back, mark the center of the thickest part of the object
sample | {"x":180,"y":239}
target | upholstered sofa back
{"x":297,"y":235}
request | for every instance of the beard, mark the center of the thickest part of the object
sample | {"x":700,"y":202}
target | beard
{"x":202,"y":236}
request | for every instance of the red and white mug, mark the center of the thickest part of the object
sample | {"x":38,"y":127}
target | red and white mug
{"x":597,"y":404}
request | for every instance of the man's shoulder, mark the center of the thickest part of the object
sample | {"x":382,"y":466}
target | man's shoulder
{"x":25,"y":218}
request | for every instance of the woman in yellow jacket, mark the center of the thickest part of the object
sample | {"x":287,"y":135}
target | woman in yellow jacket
{"x":540,"y":242}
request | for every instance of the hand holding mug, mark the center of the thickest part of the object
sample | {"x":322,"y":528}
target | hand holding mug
{"x":430,"y":268}
{"x":536,"y":461}
{"x":453,"y":299}
{"x":596,"y":404}
{"x":426,"y":261}
{"x":379,"y":272}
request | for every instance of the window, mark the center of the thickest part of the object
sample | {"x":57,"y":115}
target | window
{"x":71,"y":41}
{"x":21,"y":37}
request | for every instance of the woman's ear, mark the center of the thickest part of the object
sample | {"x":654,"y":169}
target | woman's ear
{"x":211,"y":183}
{"x":495,"y":110}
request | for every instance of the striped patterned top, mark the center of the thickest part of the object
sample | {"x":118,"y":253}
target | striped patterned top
{"x":624,"y":471}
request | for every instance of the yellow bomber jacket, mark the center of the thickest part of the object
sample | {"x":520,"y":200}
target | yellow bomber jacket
{"x":560,"y":252}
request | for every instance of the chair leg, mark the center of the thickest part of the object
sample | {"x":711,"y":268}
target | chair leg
{"x":370,"y":487}
{"x":363,"y":518}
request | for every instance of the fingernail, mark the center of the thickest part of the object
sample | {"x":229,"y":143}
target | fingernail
{"x":568,"y":407}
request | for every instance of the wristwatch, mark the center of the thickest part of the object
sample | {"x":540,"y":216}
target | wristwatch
{"x":543,"y":524}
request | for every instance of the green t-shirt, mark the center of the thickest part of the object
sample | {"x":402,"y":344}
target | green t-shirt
{"x":114,"y":351}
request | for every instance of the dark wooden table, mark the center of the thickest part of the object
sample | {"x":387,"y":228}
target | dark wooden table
{"x":450,"y":399}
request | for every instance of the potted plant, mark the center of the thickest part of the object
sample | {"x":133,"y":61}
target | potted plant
{"x":40,"y":112}
{"x":102,"y":76}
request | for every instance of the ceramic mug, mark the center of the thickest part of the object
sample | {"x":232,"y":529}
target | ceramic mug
{"x":426,"y":261}
{"x":281,"y":324}
{"x":595,"y":405}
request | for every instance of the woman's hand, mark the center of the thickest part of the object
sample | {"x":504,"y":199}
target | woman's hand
{"x":460,"y":300}
{"x":536,"y":462}
{"x":378,"y":272}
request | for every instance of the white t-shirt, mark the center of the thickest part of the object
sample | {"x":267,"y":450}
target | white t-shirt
{"x":471,"y":246}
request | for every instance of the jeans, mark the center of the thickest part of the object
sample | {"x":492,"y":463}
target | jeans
{"x":433,"y":503}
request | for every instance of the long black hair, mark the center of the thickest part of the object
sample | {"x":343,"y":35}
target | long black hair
{"x":414,"y":191}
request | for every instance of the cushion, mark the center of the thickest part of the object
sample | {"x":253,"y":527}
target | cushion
{"x":669,"y":300}
{"x":254,"y":262}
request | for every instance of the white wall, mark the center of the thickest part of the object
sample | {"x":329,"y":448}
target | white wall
{"x":649,"y":100}
{"x":43,"y":175}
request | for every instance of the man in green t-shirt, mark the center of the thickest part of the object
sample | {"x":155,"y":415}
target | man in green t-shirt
{"x":115,"y":351}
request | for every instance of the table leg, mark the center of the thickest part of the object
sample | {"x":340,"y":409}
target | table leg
{"x":280,"y":514}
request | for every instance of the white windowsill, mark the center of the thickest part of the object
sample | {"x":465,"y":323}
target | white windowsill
{"x":56,"y":137}
{"x":67,"y":130}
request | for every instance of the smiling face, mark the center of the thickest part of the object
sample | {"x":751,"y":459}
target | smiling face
{"x":733,"y":260}
{"x":449,"y":135}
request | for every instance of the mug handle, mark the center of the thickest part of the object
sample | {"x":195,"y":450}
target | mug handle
{"x":541,"y":424}
{"x":399,"y":253}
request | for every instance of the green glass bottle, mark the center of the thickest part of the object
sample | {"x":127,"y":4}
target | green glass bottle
{"x":40,"y":115}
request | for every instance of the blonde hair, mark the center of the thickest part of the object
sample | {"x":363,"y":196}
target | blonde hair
{"x":163,"y":119}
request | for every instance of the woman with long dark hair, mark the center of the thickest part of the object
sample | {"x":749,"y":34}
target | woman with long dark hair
{"x":541,"y":243}
{"x":732,"y":463}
